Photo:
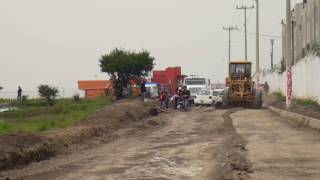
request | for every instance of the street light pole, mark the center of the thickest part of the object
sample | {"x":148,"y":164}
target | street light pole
{"x":272,"y":43}
{"x":257,"y":38}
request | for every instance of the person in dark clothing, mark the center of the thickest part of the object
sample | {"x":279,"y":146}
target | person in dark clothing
{"x":19,"y":97}
{"x":167,"y":99}
{"x":185,"y":94}
{"x":143,"y":90}
{"x":266,"y":87}
{"x":177,"y":97}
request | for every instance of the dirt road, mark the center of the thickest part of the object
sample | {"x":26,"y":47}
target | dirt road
{"x":188,"y":146}
{"x":200,"y":144}
{"x":276,"y":149}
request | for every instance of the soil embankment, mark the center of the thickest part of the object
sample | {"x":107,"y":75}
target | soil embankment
{"x":22,"y":148}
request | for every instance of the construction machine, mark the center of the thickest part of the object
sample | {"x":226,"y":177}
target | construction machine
{"x":240,"y":88}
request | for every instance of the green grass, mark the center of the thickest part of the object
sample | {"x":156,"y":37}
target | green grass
{"x":305,"y":102}
{"x":36,"y":116}
{"x":279,"y":96}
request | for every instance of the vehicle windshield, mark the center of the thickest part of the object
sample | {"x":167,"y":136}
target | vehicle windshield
{"x":241,"y":68}
{"x":217,"y":93}
{"x":204,"y":93}
{"x":195,"y":81}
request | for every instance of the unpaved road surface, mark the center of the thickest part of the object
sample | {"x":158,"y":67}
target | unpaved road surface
{"x":201,"y":144}
{"x":187,"y":146}
{"x":277,"y":150}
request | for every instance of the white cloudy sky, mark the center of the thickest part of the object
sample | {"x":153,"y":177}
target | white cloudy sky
{"x":59,"y":42}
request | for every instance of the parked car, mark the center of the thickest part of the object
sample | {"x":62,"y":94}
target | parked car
{"x":204,"y":97}
{"x":217,"y":97}
{"x":209,"y":97}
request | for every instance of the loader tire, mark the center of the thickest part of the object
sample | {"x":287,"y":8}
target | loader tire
{"x":225,"y":99}
{"x":257,"y":104}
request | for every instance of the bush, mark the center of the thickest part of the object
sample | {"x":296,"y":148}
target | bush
{"x":316,"y":48}
{"x":49,"y":93}
{"x":279,"y":96}
{"x":43,"y":127}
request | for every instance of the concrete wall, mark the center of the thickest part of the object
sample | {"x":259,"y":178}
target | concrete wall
{"x":305,"y":77}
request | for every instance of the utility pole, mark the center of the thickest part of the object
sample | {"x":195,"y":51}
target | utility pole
{"x":245,"y":8}
{"x":289,"y":54}
{"x":230,"y":28}
{"x":257,"y":45}
{"x":272,"y":43}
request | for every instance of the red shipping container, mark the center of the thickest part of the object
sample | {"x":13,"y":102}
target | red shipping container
{"x":169,"y":79}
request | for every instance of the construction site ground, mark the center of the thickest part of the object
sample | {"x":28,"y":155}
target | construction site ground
{"x":204,"y":143}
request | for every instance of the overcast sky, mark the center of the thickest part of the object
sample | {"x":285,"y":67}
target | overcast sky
{"x":59,"y":42}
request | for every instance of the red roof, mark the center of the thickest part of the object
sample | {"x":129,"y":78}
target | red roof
{"x":95,"y":84}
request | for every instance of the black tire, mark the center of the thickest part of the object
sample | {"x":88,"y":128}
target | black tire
{"x":257,"y":104}
{"x":225,"y":99}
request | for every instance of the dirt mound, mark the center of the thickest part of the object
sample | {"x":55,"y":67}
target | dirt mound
{"x":22,"y":148}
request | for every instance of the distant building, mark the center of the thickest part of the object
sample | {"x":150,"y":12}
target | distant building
{"x":95,"y":88}
{"x":305,"y":27}
{"x":169,"y":79}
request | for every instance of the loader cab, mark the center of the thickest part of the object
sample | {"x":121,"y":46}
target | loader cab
{"x":240,"y":70}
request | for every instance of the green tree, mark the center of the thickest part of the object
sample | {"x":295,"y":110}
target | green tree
{"x":123,"y":66}
{"x":49,"y":93}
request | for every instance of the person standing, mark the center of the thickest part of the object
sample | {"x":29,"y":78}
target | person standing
{"x":167,"y":99}
{"x":143,"y":89}
{"x":162,"y":100}
{"x":185,"y":97}
{"x":19,"y":97}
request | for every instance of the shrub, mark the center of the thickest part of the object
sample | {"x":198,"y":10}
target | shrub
{"x":279,"y":96}
{"x":316,"y":48}
{"x":49,"y":93}
{"x":43,"y":127}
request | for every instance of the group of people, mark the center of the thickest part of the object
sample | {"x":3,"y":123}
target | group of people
{"x":180,"y":99}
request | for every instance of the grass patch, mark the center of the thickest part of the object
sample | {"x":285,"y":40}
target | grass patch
{"x":35,"y":116}
{"x":305,"y":102}
{"x":279,"y":96}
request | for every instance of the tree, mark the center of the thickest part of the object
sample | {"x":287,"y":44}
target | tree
{"x":123,"y":66}
{"x":49,"y":93}
{"x":1,"y":87}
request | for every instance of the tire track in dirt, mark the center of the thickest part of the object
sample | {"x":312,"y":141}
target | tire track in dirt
{"x":233,"y":156}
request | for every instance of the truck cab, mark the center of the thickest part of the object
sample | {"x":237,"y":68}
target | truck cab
{"x":195,"y":85}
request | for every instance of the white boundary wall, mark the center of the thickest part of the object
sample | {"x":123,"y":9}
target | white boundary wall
{"x":305,"y":79}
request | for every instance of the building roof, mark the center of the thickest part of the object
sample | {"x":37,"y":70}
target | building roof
{"x":94,"y":84}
